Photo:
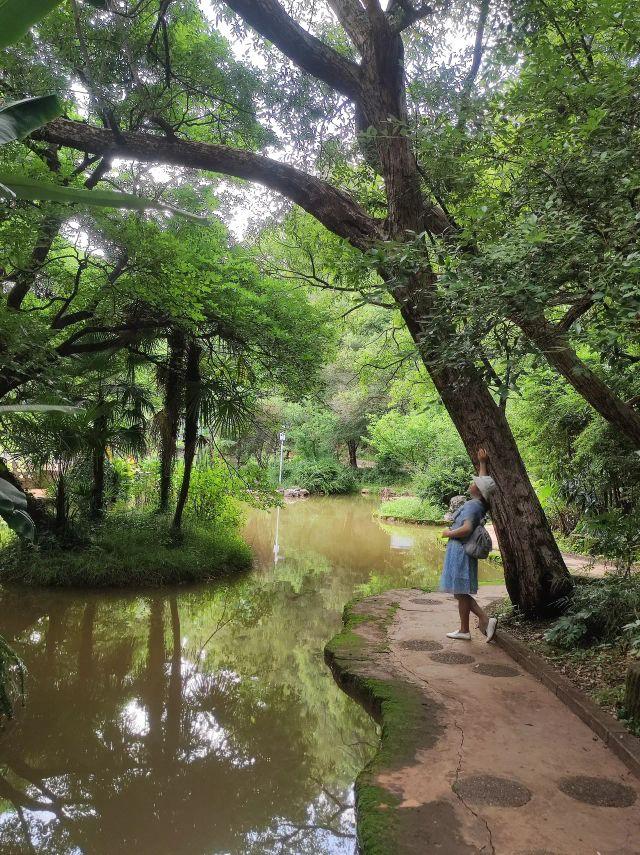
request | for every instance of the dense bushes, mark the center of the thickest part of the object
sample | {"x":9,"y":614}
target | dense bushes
{"x":600,"y":609}
{"x":321,"y":475}
{"x":427,"y":444}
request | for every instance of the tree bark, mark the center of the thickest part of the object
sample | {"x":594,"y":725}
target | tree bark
{"x":171,"y":415}
{"x":192,"y":413}
{"x":352,"y":445}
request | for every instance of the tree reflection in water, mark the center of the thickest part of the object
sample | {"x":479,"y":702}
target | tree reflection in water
{"x":199,"y":720}
{"x":202,"y":721}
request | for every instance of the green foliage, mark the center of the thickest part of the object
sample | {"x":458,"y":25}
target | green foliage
{"x":599,"y":610}
{"x":210,"y":502}
{"x":411,"y":508}
{"x":321,"y":475}
{"x":127,"y":550}
{"x":614,"y":534}
{"x":428,"y":443}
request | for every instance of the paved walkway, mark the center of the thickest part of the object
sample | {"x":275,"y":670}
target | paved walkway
{"x":513,"y":771}
{"x":575,"y":563}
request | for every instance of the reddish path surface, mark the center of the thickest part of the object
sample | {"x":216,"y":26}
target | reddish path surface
{"x":513,"y":771}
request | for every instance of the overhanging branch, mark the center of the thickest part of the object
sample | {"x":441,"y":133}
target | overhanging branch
{"x":336,"y":210}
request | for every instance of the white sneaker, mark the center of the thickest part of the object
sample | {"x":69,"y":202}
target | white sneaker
{"x":491,"y":628}
{"x":460,"y":636}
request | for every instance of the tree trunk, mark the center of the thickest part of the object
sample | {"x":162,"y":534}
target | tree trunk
{"x":192,"y":413}
{"x":171,"y":415}
{"x":352,"y":445}
{"x":97,"y":462}
{"x":561,"y":356}
{"x":97,"y":489}
{"x":535,"y":573}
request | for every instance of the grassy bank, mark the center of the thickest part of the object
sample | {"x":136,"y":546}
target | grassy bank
{"x":128,"y":549}
{"x":411,"y":509}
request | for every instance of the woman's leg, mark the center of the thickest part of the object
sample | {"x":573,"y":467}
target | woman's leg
{"x":464,"y":608}
{"x":480,"y":613}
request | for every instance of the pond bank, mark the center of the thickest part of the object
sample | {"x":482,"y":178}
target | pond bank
{"x":476,"y":755}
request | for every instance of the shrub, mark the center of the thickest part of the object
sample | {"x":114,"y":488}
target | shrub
{"x":598,"y":612}
{"x":129,"y":549}
{"x":614,"y":535}
{"x":321,"y":475}
{"x":445,"y":478}
{"x":411,"y":508}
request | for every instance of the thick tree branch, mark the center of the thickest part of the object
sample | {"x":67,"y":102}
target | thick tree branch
{"x":309,"y":53}
{"x":353,"y":19}
{"x":332,"y":207}
{"x":403,"y":13}
{"x":576,"y":311}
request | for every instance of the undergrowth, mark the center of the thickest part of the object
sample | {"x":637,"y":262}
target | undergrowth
{"x":128,"y":549}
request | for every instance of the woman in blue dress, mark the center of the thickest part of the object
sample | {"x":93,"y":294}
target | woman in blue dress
{"x":460,"y":571}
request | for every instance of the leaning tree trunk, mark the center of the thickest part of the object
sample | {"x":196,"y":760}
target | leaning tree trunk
{"x":171,"y":415}
{"x":535,"y":573}
{"x":560,"y":355}
{"x":352,"y":445}
{"x":192,"y":413}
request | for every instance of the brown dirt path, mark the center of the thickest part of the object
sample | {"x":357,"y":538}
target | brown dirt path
{"x":513,"y":771}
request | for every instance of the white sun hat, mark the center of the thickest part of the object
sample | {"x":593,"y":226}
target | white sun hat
{"x":485,"y":484}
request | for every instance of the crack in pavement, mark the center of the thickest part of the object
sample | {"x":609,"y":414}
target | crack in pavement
{"x":400,"y":666}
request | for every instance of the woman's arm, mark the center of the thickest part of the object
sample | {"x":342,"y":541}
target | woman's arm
{"x":483,"y":458}
{"x":459,"y":533}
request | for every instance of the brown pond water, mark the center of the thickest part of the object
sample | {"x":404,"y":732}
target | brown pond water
{"x":201,"y":720}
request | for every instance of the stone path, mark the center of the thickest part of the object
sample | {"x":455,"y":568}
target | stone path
{"x":512,"y":771}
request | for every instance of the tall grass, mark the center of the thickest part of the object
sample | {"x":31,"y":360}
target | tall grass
{"x":129,"y":549}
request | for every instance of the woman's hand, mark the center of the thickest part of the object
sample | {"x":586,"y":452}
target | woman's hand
{"x":483,"y":455}
{"x":446,"y":533}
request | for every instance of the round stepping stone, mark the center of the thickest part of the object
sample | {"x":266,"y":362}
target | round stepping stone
{"x":450,"y":657}
{"x":494,"y":669}
{"x":598,"y":791}
{"x":491,"y":790}
{"x":425,"y":601}
{"x":421,"y":644}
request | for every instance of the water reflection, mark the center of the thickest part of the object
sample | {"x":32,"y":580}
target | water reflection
{"x":198,"y":720}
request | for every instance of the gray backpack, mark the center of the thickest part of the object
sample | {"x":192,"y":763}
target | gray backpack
{"x":478,"y":544}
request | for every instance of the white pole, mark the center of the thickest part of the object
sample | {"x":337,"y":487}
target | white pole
{"x":282,"y":439}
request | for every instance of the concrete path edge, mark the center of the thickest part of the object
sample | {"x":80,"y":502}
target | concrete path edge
{"x":613,"y":733}
{"x":358,"y":658}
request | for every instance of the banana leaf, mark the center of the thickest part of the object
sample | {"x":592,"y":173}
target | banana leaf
{"x":31,"y":188}
{"x":18,"y":119}
{"x":13,"y":510}
{"x":18,"y":16}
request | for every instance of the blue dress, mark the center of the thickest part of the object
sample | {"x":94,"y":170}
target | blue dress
{"x":460,"y":571}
